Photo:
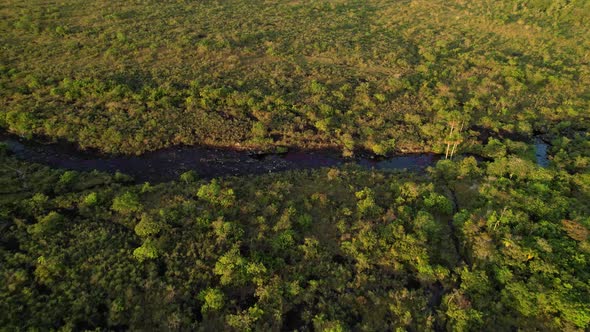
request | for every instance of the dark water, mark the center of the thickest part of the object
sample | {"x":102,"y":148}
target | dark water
{"x":168,"y":164}
{"x":541,"y":152}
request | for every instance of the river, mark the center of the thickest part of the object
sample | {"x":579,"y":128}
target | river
{"x":167,"y":164}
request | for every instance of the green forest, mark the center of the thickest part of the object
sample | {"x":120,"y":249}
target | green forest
{"x":499,"y":246}
{"x":488,"y":238}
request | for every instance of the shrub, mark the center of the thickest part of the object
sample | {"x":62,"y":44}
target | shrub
{"x":213,"y":193}
{"x":90,"y":199}
{"x":47,"y":224}
{"x":127,"y":203}
{"x":147,"y":251}
{"x":188,"y":177}
{"x":213,"y":299}
{"x":147,"y":227}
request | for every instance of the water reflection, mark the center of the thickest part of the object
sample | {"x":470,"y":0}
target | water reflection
{"x":541,"y":152}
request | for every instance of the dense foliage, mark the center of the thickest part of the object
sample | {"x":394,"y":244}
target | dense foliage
{"x":488,"y":243}
{"x":468,"y":246}
{"x":383,"y":75}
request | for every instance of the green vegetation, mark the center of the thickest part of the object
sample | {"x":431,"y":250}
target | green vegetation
{"x":468,"y":246}
{"x":488,"y":243}
{"x":382,"y":75}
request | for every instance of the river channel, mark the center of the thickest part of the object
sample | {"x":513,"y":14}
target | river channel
{"x":167,"y":164}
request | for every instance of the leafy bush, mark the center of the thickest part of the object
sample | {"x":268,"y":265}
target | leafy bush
{"x":127,"y":203}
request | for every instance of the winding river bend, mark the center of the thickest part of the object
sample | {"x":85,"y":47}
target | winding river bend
{"x":168,"y":164}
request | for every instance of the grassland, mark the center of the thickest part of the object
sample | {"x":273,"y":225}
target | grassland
{"x":389,"y":76}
